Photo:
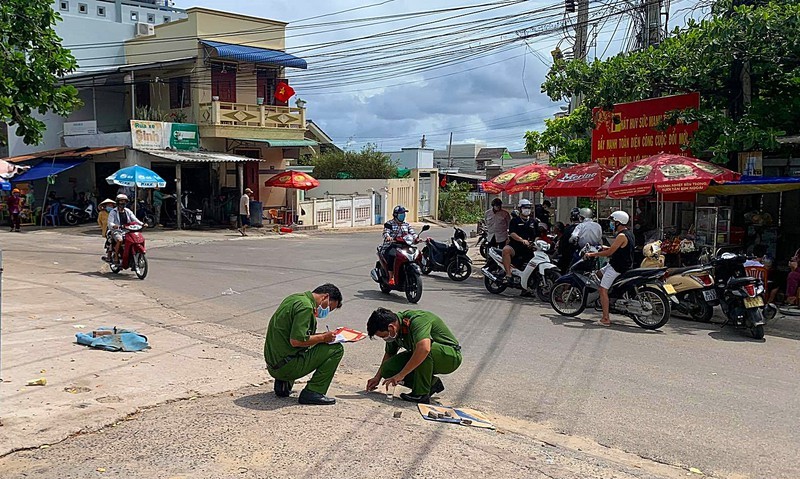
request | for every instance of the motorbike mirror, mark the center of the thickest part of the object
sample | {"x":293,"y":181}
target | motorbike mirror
{"x":426,"y":227}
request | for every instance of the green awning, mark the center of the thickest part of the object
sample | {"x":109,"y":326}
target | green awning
{"x":285,"y":143}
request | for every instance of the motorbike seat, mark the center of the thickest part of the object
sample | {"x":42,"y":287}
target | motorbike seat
{"x":684,"y":269}
{"x":640,"y":272}
{"x":438,"y":245}
{"x":736,"y":282}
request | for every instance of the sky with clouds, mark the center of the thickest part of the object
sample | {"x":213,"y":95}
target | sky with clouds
{"x":491,"y":97}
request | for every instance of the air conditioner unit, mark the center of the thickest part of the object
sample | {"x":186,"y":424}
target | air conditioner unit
{"x":145,"y":30}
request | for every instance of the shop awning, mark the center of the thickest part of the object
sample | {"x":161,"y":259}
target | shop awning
{"x":45,"y":169}
{"x":81,"y":152}
{"x":285,"y":143}
{"x":247,"y":53}
{"x":197,"y":156}
{"x":750,"y":185}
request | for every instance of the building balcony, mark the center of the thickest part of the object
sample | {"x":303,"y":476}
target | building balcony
{"x":243,"y":120}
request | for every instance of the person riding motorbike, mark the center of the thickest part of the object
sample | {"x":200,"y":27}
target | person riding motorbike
{"x":397,"y":227}
{"x":587,"y":231}
{"x":497,"y":220}
{"x":621,"y":253}
{"x":117,"y":218}
{"x":522,"y":232}
{"x":566,"y":248}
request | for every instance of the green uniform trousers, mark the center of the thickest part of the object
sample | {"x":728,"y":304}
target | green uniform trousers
{"x":322,"y":360}
{"x":441,"y":360}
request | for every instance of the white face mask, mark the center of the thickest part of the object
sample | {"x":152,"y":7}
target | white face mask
{"x":525,"y":211}
{"x":390,"y":338}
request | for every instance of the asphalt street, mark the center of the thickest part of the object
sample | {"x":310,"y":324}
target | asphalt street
{"x":690,"y":395}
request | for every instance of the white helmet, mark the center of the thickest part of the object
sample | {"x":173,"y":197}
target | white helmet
{"x":620,"y":217}
{"x":523,"y":203}
{"x":121,"y":197}
{"x":542,"y":245}
{"x":586,"y":213}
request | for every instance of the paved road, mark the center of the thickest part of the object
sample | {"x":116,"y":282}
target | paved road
{"x":689,"y":395}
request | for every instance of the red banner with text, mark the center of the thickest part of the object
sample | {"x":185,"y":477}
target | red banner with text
{"x":629,"y":132}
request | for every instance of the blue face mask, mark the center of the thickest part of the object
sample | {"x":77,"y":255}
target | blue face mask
{"x":323,"y":313}
{"x":401,"y":217}
{"x":109,"y":208}
{"x":611,"y":227}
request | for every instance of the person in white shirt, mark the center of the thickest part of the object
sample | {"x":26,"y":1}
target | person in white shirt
{"x":244,"y":210}
{"x":587,"y":231}
{"x":117,"y":218}
{"x":497,"y":220}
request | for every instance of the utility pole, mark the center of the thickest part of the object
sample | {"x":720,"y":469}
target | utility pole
{"x":581,"y":40}
{"x":423,"y":142}
{"x":652,"y":26}
{"x":450,"y":152}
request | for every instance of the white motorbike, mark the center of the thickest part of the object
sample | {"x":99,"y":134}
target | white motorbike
{"x":538,"y":276}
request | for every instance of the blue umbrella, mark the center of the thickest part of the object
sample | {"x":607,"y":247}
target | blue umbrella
{"x":137,"y":176}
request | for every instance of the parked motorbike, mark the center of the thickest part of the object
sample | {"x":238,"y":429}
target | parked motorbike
{"x":483,"y":242}
{"x":694,"y":285}
{"x":133,"y":252}
{"x":452,"y":258}
{"x":741,"y":296}
{"x":145,"y":214}
{"x":407,"y":271}
{"x":538,"y":276}
{"x":638,"y":293}
{"x":189,"y":217}
{"x":74,"y":215}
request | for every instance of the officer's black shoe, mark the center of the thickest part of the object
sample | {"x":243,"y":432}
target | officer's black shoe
{"x":283,"y":388}
{"x":311,"y":397}
{"x":437,"y":386}
{"x":418,"y":398}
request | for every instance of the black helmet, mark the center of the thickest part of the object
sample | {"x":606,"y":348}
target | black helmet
{"x":398,"y":209}
{"x":575,"y":214}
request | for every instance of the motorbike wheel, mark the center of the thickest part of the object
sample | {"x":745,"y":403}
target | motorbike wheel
{"x":71,"y":218}
{"x":150,"y":220}
{"x":757,"y":331}
{"x":385,"y":288}
{"x":413,"y":288}
{"x":484,"y":250}
{"x":427,"y":265}
{"x":661,"y":308}
{"x":752,"y":317}
{"x":459,"y":269}
{"x":114,"y":268}
{"x":701,"y":311}
{"x":140,"y":265}
{"x":567,"y":300}
{"x":543,"y":290}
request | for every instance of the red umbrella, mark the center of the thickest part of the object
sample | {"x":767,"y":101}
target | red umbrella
{"x":531,"y":177}
{"x":292,"y":179}
{"x":667,"y":174}
{"x":491,"y":188}
{"x":582,"y":180}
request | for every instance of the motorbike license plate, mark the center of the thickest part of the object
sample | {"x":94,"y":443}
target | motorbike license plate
{"x":669,"y":289}
{"x":756,"y":302}
{"x":709,"y":295}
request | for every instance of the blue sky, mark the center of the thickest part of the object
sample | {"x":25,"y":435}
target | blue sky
{"x":492,"y":95}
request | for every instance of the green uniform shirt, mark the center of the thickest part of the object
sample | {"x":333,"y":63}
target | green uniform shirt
{"x":422,"y":325}
{"x":294,"y":319}
{"x":158,"y":198}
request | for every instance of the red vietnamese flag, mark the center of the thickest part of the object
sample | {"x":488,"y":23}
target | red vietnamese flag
{"x":283,"y":92}
{"x":443,"y":182}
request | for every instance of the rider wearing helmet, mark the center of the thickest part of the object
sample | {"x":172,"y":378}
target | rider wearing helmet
{"x":566,"y":248}
{"x":117,"y":218}
{"x":522,"y":232}
{"x":391,"y":230}
{"x":621,"y":258}
{"x":588,"y":231}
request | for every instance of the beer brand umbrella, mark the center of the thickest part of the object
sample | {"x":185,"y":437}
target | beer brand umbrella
{"x":136,"y":176}
{"x":582,"y":180}
{"x":666,"y":174}
{"x":533,"y":177}
{"x":292,"y":179}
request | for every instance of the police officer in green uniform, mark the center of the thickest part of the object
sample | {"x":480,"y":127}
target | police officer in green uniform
{"x":430,"y":348}
{"x":293,"y":348}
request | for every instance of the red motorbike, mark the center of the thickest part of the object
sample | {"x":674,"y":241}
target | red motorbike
{"x":133,"y":252}
{"x":407,"y":272}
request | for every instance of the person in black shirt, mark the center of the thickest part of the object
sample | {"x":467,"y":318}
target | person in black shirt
{"x":621,"y":253}
{"x":522,"y":231}
{"x":566,"y":248}
{"x":542,"y":213}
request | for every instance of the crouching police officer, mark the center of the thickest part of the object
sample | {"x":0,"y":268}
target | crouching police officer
{"x":430,"y":348}
{"x":293,"y":348}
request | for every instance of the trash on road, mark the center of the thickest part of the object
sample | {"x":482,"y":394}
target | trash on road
{"x":695,"y":470}
{"x":119,"y":340}
{"x":229,"y":292}
{"x":463,"y":416}
{"x":37,"y":382}
{"x":397,"y":414}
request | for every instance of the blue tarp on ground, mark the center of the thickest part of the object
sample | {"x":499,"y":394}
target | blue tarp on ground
{"x":121,"y":340}
{"x":45,"y":169}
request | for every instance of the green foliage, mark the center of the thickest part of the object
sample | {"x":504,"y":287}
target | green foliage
{"x":369,"y":163}
{"x":31,"y":62}
{"x":699,"y":57}
{"x":146,"y":113}
{"x":566,"y":139}
{"x":455,"y":205}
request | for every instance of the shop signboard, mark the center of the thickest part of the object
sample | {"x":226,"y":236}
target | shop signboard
{"x":751,"y":163}
{"x":148,"y":135}
{"x":630,"y":131}
{"x":80,"y":128}
{"x":184,"y":136}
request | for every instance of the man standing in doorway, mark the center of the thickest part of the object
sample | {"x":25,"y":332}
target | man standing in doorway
{"x":293,"y":348}
{"x":158,"y":200}
{"x":244,"y":211}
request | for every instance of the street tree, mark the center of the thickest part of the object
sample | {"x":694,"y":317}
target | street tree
{"x":369,"y":163}
{"x":31,"y":62}
{"x":757,"y":41}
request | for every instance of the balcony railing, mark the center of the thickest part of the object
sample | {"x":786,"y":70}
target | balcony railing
{"x":220,"y":113}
